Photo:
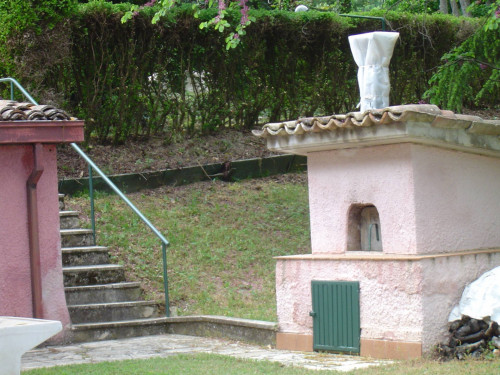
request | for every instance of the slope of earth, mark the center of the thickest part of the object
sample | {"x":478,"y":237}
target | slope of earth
{"x":223,"y":237}
{"x":154,"y":154}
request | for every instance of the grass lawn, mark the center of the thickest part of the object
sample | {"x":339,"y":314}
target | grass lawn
{"x":203,"y":364}
{"x":210,"y":364}
{"x":223,"y":239}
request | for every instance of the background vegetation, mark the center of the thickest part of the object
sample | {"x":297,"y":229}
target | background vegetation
{"x":171,"y":78}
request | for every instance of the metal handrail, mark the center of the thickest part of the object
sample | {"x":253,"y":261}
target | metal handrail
{"x":382,"y":19}
{"x":21,"y":88}
{"x":105,"y":178}
{"x":119,"y":192}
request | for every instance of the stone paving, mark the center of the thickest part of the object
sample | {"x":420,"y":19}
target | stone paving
{"x":166,"y":345}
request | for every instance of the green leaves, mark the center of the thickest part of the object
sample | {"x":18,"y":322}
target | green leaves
{"x":469,"y":75}
{"x":129,"y":14}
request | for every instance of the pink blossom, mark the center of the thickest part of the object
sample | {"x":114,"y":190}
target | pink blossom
{"x":222,"y":5}
{"x":483,"y":66}
{"x":150,"y":3}
{"x":244,"y":12}
{"x":497,"y":13}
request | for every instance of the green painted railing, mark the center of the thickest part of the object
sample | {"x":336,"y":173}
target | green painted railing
{"x":93,"y":166}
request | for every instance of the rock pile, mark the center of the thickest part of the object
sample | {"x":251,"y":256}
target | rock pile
{"x":471,"y":337}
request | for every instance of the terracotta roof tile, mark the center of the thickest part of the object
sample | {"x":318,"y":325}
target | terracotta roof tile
{"x":387,"y":116}
{"x":15,"y":111}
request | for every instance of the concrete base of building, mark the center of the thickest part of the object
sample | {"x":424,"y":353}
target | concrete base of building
{"x":384,"y":349}
{"x":380,"y":349}
{"x":294,"y":341}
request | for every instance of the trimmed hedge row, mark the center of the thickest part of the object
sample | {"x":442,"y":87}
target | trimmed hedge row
{"x":171,"y":78}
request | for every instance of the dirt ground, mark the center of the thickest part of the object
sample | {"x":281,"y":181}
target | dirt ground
{"x":155,"y":154}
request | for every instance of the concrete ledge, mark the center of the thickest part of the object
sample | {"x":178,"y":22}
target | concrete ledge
{"x":382,"y":349}
{"x":294,"y":341}
{"x":247,"y":330}
{"x":381,"y":256}
{"x":480,"y":140}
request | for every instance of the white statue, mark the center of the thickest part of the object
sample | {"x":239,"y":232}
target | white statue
{"x":372,"y":53}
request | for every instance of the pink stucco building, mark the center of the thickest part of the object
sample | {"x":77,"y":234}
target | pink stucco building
{"x":404,"y":213}
{"x":31,"y":278}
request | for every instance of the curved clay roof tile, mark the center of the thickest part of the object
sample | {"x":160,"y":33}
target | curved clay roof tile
{"x":386,"y":116}
{"x":15,"y":111}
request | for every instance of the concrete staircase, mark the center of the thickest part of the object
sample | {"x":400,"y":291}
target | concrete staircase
{"x":102,"y":304}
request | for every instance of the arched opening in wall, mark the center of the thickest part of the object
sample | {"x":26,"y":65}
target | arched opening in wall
{"x":363,"y":228}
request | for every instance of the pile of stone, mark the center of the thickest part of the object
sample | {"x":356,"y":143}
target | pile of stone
{"x":471,"y":337}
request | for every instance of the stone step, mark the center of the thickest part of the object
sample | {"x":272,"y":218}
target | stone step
{"x":61,"y":202}
{"x":116,"y":292}
{"x":117,"y":330}
{"x":69,"y":219}
{"x":109,"y":312}
{"x":84,"y":255}
{"x":93,"y":275}
{"x":76,"y":237}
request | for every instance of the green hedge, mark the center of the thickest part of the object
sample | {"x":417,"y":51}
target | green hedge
{"x":171,"y":78}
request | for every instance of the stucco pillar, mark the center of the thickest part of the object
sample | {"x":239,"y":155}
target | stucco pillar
{"x":17,"y":164}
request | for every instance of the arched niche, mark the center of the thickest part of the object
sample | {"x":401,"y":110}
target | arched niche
{"x":363,"y":228}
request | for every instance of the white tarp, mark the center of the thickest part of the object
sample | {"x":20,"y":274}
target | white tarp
{"x":372,"y":53}
{"x":480,"y":298}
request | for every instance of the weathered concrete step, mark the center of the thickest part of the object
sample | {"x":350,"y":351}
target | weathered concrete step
{"x":117,"y":330}
{"x":248,"y":330}
{"x":93,"y":275}
{"x":85,"y":255}
{"x":61,"y":202}
{"x":112,"y":312}
{"x":116,"y":292}
{"x":69,"y":219}
{"x":76,"y":237}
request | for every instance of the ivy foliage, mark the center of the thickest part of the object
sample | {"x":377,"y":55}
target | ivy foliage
{"x":174,"y":79}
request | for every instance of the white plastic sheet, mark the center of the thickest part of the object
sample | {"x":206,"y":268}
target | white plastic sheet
{"x":481,"y":298}
{"x":372,"y":53}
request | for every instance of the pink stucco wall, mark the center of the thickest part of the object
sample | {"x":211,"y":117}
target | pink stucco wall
{"x":429,"y":199}
{"x":400,"y":300}
{"x":16,"y":164}
{"x":444,"y":280}
{"x":457,"y":200}
{"x":381,"y":176}
{"x":389,"y":295}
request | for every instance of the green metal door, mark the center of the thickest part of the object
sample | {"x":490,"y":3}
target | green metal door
{"x":336,"y":325}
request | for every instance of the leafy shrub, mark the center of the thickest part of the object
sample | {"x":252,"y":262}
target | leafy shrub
{"x":34,"y":41}
{"x":171,"y":78}
{"x":470,"y":73}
